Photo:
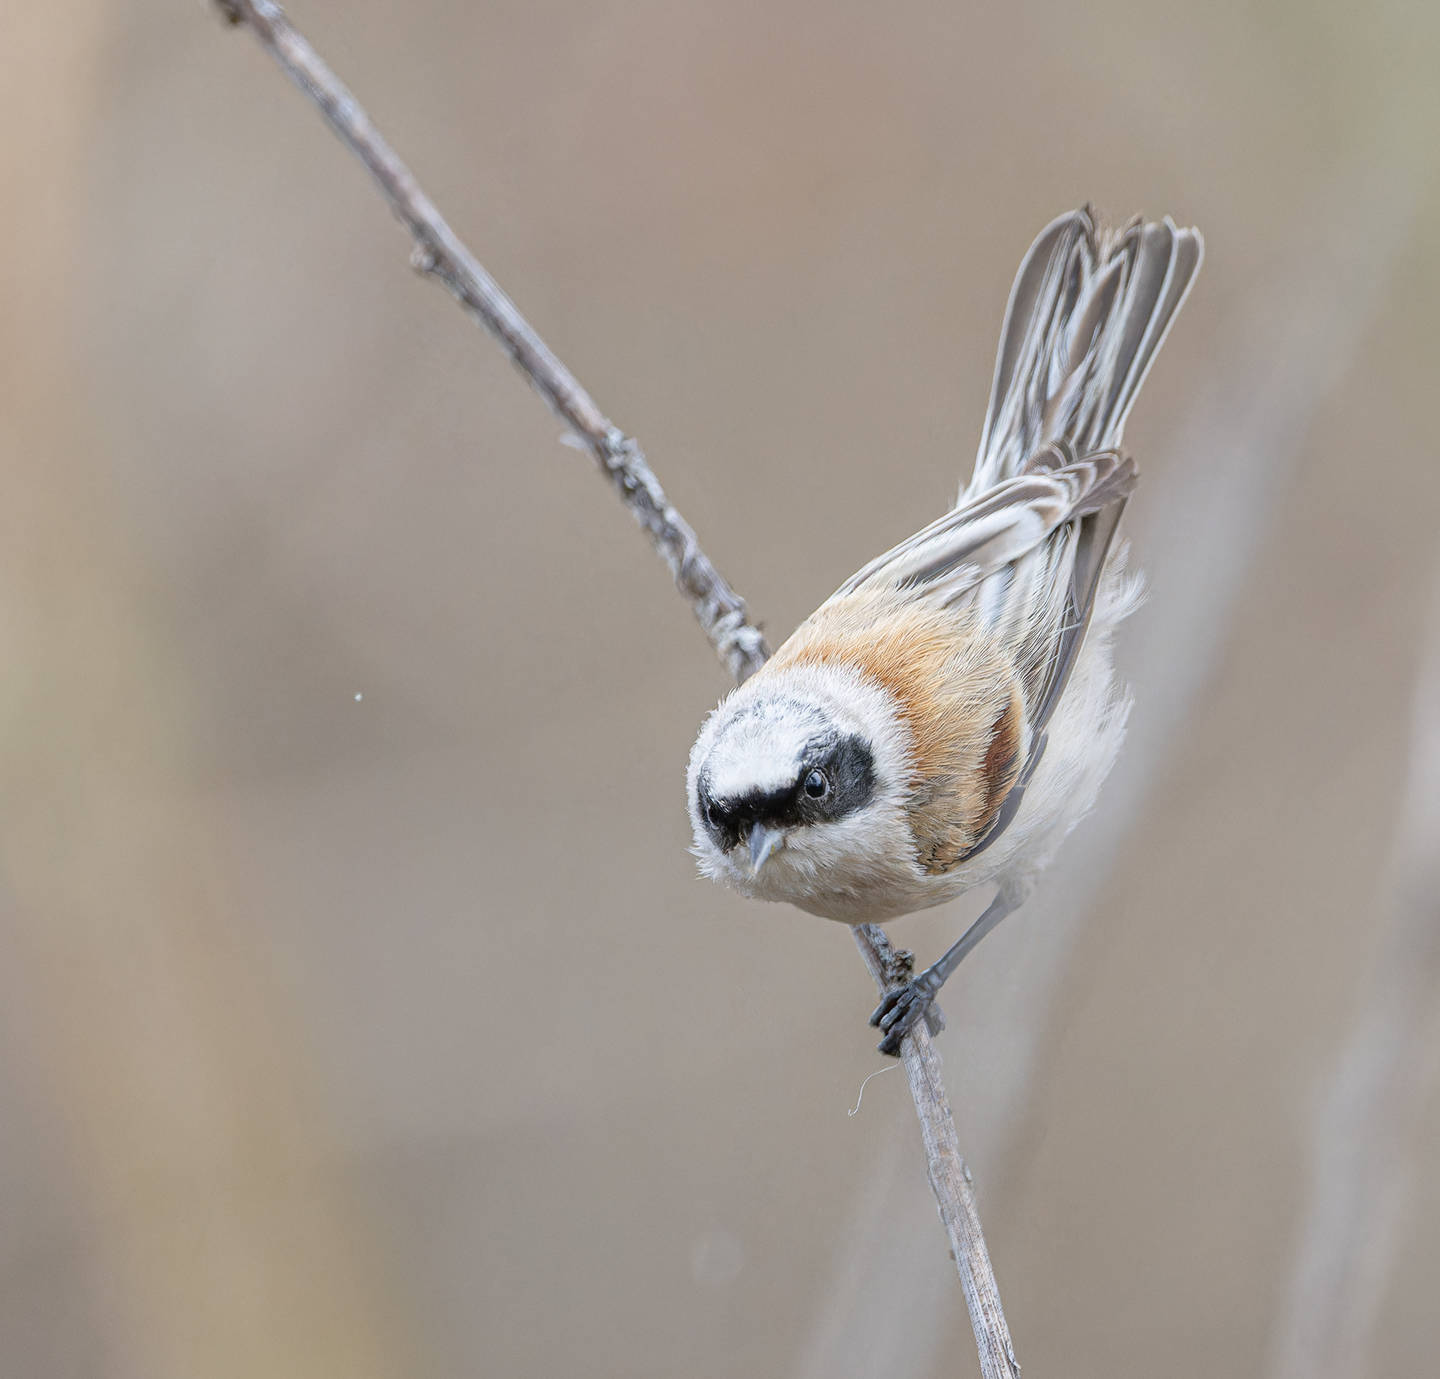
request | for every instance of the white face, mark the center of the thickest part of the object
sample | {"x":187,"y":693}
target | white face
{"x":794,"y":790}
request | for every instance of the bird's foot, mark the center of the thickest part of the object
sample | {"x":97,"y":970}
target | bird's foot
{"x":902,"y":1009}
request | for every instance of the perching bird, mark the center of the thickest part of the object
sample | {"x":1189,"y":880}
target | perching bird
{"x":948,"y":715}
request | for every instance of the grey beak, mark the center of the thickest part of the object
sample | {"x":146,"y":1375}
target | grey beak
{"x":763,"y":842}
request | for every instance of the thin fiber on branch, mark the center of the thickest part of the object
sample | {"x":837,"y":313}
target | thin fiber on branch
{"x":439,"y":253}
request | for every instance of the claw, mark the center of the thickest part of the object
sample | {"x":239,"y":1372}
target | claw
{"x":901,"y":1010}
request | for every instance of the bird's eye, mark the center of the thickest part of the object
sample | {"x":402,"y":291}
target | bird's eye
{"x":817,"y":784}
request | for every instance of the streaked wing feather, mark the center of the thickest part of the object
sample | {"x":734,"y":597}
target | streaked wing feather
{"x":1047,"y":647}
{"x":950,"y":558}
{"x":1094,"y":534}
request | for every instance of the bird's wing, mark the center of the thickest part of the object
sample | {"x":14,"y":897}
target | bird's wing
{"x":947,"y":562}
{"x":1024,"y":561}
{"x":1023,"y":564}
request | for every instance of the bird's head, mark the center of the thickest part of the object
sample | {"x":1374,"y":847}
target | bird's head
{"x":795,"y":785}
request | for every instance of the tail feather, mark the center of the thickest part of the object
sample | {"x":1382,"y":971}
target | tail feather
{"x":1087,"y":314}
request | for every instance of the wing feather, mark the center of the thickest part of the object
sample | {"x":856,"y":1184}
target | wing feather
{"x":948,"y":560}
{"x":1023,"y":556}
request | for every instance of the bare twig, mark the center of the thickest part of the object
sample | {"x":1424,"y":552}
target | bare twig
{"x":949,"y":1176}
{"x":1364,"y":1147}
{"x":439,"y":253}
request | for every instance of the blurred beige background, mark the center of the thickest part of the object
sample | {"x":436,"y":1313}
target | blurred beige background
{"x":361,"y":1012}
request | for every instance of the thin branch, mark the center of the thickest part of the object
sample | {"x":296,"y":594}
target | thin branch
{"x":950,"y":1178}
{"x":439,"y":253}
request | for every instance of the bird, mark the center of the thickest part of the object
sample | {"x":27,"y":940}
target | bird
{"x":948,"y":715}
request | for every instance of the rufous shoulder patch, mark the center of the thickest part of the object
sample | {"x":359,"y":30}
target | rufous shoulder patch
{"x":959,"y":697}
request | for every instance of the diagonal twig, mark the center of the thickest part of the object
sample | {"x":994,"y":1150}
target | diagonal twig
{"x":439,"y":253}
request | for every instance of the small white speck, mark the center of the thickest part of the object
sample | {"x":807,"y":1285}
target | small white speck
{"x":359,"y":697}
{"x":716,"y":1258}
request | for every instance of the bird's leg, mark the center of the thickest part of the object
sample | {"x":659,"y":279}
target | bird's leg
{"x":898,"y":1012}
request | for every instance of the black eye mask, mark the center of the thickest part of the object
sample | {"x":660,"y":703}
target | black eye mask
{"x":847,"y":765}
